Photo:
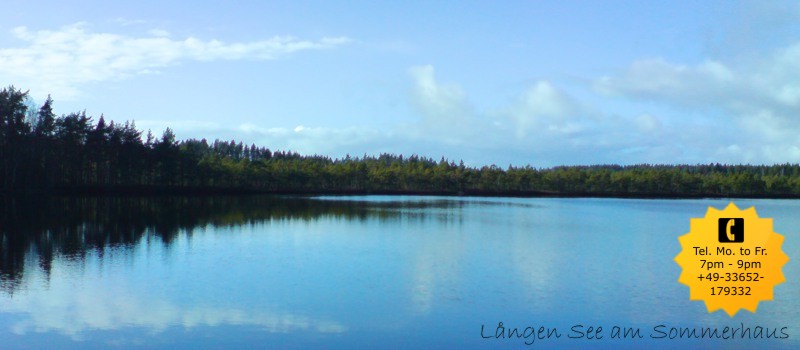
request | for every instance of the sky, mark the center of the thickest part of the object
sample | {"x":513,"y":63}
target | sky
{"x":540,"y":83}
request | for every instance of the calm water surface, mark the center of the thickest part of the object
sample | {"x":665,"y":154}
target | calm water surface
{"x":360,"y":272}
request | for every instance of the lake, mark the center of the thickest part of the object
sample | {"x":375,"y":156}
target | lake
{"x":402,"y":272}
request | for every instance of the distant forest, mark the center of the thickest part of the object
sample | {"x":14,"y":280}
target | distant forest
{"x":73,"y":154}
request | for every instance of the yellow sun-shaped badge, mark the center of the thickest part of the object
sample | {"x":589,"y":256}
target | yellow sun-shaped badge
{"x":731,"y":259}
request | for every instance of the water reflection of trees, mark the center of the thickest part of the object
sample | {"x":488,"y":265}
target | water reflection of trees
{"x":44,"y":228}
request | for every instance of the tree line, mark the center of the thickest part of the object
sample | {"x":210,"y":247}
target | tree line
{"x":73,"y":153}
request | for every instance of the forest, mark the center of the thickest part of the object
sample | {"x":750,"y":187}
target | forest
{"x":41,"y":152}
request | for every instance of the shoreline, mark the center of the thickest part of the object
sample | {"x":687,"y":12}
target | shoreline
{"x":155,"y":191}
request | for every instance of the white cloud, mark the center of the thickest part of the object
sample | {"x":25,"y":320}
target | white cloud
{"x":756,"y":102}
{"x":61,"y":61}
{"x":445,"y":109}
{"x":100,"y":308}
{"x":769,"y":82}
{"x":544,"y":126}
{"x":544,"y":107}
{"x":437,"y":102}
{"x":689,"y":85}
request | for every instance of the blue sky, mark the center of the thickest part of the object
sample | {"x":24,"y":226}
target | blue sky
{"x":529,"y":82}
